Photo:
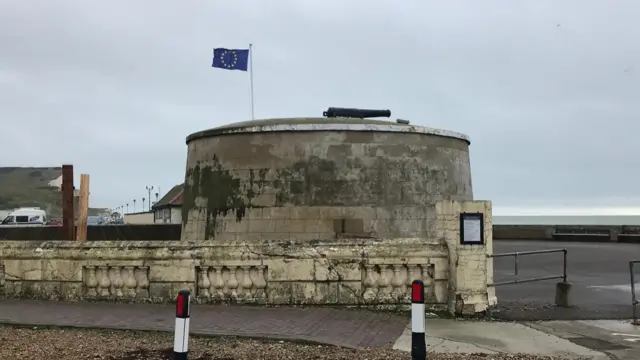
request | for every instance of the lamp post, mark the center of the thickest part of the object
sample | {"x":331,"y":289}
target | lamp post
{"x":149,"y":190}
{"x":127,"y":208}
{"x":143,"y":199}
{"x":134,"y":205}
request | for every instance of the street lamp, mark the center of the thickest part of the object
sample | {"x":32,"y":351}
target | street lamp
{"x":143,"y":204}
{"x":149,"y":190}
{"x":127,"y":208}
{"x":134,"y":205}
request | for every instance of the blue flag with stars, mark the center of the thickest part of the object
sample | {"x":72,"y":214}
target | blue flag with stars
{"x":231,"y":59}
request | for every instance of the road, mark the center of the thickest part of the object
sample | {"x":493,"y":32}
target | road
{"x":599,"y":273}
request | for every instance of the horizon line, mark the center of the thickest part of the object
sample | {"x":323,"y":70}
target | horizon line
{"x":566,"y":211}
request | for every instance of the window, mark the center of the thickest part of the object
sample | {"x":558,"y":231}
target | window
{"x":22,"y":219}
{"x":8,"y":220}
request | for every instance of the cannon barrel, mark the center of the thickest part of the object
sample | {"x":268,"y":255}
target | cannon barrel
{"x":333,"y":112}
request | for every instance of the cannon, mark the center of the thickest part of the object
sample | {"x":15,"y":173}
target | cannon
{"x":334,"y":112}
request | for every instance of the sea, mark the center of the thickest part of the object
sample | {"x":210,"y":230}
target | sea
{"x":566,"y":220}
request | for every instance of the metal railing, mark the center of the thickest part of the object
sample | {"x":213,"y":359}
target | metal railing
{"x":535,"y":252}
{"x":634,"y":300}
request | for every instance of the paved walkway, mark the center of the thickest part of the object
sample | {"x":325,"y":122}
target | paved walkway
{"x":341,"y":327}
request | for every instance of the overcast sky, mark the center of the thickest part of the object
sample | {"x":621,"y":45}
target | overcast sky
{"x":547,"y":90}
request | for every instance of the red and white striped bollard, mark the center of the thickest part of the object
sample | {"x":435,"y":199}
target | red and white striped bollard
{"x":418,"y":342}
{"x":181,"y":336}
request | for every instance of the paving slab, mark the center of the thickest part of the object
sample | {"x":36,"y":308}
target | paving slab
{"x":618,"y":338}
{"x":463,"y":336}
{"x":334,"y":326}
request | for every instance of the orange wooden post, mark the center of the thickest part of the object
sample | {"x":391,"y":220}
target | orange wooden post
{"x":83,"y":204}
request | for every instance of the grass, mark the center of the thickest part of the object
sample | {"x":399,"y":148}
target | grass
{"x":29,"y":187}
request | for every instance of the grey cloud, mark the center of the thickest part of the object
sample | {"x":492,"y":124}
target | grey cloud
{"x":115,"y":87}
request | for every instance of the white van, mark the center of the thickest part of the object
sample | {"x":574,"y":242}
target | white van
{"x":26,"y":216}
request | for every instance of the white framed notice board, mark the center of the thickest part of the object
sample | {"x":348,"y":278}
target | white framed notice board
{"x":472,"y":228}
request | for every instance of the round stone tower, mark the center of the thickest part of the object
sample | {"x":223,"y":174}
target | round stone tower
{"x":306,"y":179}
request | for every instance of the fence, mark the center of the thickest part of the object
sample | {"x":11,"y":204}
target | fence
{"x":535,"y":252}
{"x":129,"y":232}
{"x":634,"y":300}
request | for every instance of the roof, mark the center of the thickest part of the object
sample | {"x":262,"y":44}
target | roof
{"x":172,"y":198}
{"x":321,"y":124}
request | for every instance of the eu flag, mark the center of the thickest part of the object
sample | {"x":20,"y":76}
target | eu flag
{"x":231,"y":59}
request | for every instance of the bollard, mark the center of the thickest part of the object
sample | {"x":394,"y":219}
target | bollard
{"x":181,"y":339}
{"x":563,"y":295}
{"x":418,"y":342}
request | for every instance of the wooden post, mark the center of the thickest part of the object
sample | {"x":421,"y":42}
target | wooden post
{"x":83,"y":204}
{"x":68,"y":215}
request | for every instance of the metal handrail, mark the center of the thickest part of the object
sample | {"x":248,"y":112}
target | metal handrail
{"x":534,"y":252}
{"x":634,"y":300}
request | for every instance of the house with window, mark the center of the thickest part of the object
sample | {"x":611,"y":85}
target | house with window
{"x":168,"y":210}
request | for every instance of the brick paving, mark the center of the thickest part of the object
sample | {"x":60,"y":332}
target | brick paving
{"x":341,"y":327}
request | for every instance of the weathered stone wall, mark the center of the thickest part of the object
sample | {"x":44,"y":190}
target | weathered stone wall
{"x":316,"y":184}
{"x":271,"y":273}
{"x":470,"y":267}
{"x":342,"y":271}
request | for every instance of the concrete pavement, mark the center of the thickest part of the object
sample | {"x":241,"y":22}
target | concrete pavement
{"x":454,"y":336}
{"x":599,"y":273}
{"x":618,"y":338}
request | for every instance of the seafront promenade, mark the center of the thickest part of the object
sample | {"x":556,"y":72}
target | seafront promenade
{"x":587,"y":233}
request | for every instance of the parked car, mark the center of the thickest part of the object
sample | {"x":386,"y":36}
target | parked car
{"x":95,"y":220}
{"x":54,"y":222}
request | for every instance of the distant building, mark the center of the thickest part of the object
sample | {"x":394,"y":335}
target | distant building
{"x":144,"y":217}
{"x":168,"y":210}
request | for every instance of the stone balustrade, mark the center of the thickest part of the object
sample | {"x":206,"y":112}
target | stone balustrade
{"x":246,"y":282}
{"x":116,"y":281}
{"x":348,"y":272}
{"x":392,"y":283}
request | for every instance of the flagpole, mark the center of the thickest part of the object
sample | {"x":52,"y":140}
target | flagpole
{"x":253,"y":117}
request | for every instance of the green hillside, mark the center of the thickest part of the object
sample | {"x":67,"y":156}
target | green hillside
{"x":29,"y":187}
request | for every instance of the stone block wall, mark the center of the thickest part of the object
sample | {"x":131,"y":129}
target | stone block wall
{"x":304,"y":223}
{"x":236,"y":174}
{"x":470,"y":267}
{"x":339,"y":271}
